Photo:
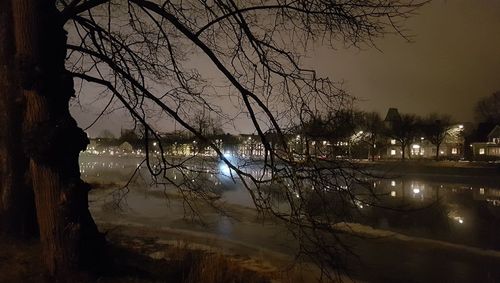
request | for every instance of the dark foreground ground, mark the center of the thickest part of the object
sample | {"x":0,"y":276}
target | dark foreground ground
{"x":147,"y":256}
{"x":138,"y":260}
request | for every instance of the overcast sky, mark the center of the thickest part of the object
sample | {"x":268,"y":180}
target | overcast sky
{"x":453,"y":61}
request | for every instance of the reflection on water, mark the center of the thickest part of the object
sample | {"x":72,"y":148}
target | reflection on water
{"x":447,"y":211}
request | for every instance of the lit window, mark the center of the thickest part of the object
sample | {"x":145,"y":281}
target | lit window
{"x":393,"y":152}
{"x":454,"y":150}
{"x":393,"y":141}
{"x":393,"y":193}
{"x":481,"y":151}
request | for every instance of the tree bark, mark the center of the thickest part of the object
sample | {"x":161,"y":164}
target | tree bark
{"x":17,"y":206}
{"x":71,"y":243}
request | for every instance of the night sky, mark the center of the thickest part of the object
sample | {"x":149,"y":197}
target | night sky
{"x":452,"y":61}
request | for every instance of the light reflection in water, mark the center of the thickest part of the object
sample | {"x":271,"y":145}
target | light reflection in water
{"x":455,"y":212}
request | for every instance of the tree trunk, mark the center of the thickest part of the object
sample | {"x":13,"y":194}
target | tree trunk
{"x":403,"y":148}
{"x":71,"y":243}
{"x":437,"y":151}
{"x":17,"y":206}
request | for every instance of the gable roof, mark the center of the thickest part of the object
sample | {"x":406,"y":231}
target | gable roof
{"x":495,"y":133}
{"x":392,"y":115}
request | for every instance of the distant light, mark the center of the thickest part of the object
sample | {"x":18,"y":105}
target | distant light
{"x":421,"y":138}
{"x":481,"y":191}
{"x":393,"y":183}
{"x":460,"y":126}
{"x":415,"y":146}
{"x":154,"y":144}
{"x":393,"y":193}
{"x":416,"y":191}
{"x":360,"y":132}
{"x":461,"y":221}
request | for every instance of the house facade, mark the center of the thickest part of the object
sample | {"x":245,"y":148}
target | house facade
{"x":489,"y":150}
{"x":452,"y":146}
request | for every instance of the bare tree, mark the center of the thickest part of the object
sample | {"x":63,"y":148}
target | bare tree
{"x":69,"y":237}
{"x":140,"y":51}
{"x":373,"y":128}
{"x":435,"y":128}
{"x":106,"y":134}
{"x":488,"y":109}
{"x":404,"y":131}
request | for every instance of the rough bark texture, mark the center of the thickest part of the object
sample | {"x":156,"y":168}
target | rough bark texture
{"x":71,"y":243}
{"x":17,"y":207}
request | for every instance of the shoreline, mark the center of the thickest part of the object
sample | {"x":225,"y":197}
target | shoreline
{"x":440,"y":171}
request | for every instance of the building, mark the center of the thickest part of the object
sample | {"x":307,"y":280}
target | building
{"x":393,"y":146}
{"x":489,"y":150}
{"x":452,"y":146}
{"x":250,"y":146}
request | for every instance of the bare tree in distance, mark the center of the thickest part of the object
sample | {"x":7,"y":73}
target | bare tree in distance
{"x":435,"y":128}
{"x":139,"y":51}
{"x":404,"y":131}
{"x":488,"y":109}
{"x":373,"y":127}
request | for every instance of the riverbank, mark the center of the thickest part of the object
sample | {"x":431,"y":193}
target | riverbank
{"x":140,"y":257}
{"x":437,"y":171}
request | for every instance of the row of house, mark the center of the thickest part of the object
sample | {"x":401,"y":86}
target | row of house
{"x":490,"y":149}
{"x":459,"y":143}
{"x":453,"y":147}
